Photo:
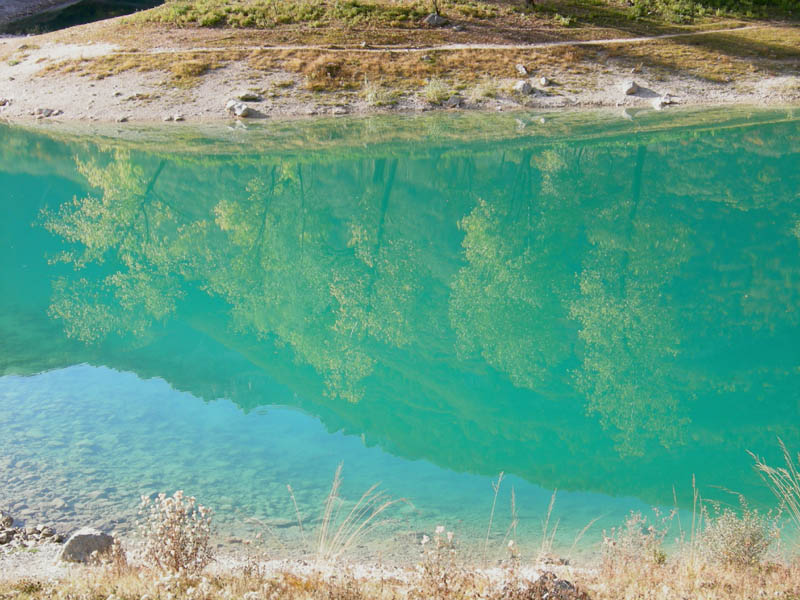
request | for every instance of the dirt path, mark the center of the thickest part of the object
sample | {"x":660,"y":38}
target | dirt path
{"x":455,"y":47}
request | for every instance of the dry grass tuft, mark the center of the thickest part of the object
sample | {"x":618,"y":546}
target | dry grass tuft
{"x":784,"y":481}
{"x":436,"y":91}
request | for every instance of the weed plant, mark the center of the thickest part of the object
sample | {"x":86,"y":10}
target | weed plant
{"x":738,"y":540}
{"x":436,"y":91}
{"x":176,"y":532}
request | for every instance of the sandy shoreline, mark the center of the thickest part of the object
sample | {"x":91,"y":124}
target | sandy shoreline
{"x":31,"y":89}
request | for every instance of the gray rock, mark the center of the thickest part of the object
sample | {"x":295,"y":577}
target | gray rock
{"x":239,"y":109}
{"x":4,"y":101}
{"x":544,"y":81}
{"x":6,"y":521}
{"x":122,"y":119}
{"x":83,"y":543}
{"x":248,"y":97}
{"x":178,"y":117}
{"x":629,"y":88}
{"x":459,"y":28}
{"x":434,"y":20}
{"x":523,"y":87}
{"x":522,"y":70}
{"x":453,"y":101}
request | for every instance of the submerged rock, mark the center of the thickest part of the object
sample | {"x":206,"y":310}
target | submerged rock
{"x":83,"y":543}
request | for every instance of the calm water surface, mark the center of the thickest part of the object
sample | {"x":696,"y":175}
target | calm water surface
{"x":598,"y":305}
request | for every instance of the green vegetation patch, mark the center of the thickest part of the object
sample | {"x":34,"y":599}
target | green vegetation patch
{"x":271,"y":13}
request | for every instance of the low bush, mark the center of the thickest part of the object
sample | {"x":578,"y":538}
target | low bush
{"x":176,"y":532}
{"x":738,"y":539}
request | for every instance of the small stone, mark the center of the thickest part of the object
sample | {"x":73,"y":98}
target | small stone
{"x":523,"y":87}
{"x":544,"y":81}
{"x":83,"y":543}
{"x":178,"y":117}
{"x":426,"y":58}
{"x":47,"y":532}
{"x":522,"y":70}
{"x":434,"y":20}
{"x":459,"y":28}
{"x":6,"y":520}
{"x":167,"y":118}
{"x":248,"y":97}
{"x":668,"y":99}
{"x":122,"y":119}
{"x":117,"y":94}
{"x":4,"y":101}
{"x":658,"y":103}
{"x":629,"y":88}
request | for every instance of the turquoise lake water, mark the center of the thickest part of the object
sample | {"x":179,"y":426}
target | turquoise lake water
{"x":602,"y":304}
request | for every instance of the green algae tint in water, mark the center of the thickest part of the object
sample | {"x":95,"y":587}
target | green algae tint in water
{"x":601,"y":306}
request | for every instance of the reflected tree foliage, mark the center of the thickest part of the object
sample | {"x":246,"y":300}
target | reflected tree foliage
{"x":123,"y":223}
{"x":488,"y":292}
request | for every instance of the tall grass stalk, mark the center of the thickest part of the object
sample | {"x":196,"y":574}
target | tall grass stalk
{"x":547,"y":538}
{"x":784,"y":482}
{"x":297,"y":512}
{"x":579,"y":537}
{"x":337,"y":537}
{"x":496,"y":488}
{"x":512,"y":527}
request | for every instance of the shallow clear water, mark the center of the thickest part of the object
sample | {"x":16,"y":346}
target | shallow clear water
{"x":598,"y":305}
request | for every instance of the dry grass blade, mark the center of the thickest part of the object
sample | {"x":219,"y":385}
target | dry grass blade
{"x":579,"y":537}
{"x":336,"y":539}
{"x":297,"y":513}
{"x":548,"y":538}
{"x":783,"y":481}
{"x":496,"y":488}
